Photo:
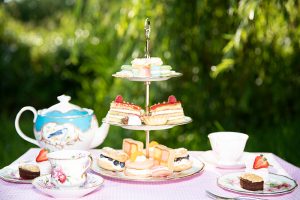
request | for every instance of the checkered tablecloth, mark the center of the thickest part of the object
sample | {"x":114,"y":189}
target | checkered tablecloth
{"x":189,"y":188}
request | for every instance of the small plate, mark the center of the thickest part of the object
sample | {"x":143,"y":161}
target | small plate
{"x":211,"y":157}
{"x":276,"y":185}
{"x":197,"y":167}
{"x":11,"y":173}
{"x":146,"y":79}
{"x":43,"y":184}
{"x":149,"y":127}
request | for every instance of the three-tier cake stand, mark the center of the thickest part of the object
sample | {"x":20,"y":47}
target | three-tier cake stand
{"x":147,"y":81}
{"x":197,"y":166}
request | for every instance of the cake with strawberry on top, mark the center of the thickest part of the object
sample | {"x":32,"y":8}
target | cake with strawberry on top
{"x":120,"y":110}
{"x":170,"y":112}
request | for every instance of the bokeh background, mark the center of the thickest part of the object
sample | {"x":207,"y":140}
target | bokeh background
{"x":240,"y":63}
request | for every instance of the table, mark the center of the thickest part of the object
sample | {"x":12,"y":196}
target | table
{"x":188,"y":188}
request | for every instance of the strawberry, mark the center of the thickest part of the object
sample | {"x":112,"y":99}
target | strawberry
{"x":119,"y":99}
{"x":42,"y":156}
{"x":260,"y":162}
{"x":172,"y":99}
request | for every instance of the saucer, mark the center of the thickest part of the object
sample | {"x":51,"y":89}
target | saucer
{"x":211,"y":157}
{"x":43,"y":184}
{"x":10,"y":173}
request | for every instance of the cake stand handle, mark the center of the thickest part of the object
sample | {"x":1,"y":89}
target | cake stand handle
{"x":147,"y":83}
{"x":147,"y":35}
{"x":147,"y":143}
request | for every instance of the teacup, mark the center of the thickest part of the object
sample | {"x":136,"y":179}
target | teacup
{"x":228,"y":146}
{"x":68,"y":167}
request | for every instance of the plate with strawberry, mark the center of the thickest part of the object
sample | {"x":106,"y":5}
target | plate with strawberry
{"x":257,"y":179}
{"x":11,"y":173}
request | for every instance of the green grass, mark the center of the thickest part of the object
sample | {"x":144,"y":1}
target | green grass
{"x":281,"y":140}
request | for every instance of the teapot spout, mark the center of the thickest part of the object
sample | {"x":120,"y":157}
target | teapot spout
{"x":100,"y":135}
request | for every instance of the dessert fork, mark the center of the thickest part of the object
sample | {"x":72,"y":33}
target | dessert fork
{"x":217,"y":197}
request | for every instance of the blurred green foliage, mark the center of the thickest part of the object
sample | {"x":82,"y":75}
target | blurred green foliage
{"x":240,"y":61}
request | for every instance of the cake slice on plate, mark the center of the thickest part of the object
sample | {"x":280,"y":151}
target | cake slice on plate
{"x":119,"y":109}
{"x":170,"y":112}
{"x":256,"y":174}
{"x":251,"y":182}
{"x":29,"y":171}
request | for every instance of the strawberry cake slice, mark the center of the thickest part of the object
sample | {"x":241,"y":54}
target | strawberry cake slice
{"x":170,"y":112}
{"x":119,"y":109}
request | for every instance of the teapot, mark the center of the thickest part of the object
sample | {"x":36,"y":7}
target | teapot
{"x":64,"y":126}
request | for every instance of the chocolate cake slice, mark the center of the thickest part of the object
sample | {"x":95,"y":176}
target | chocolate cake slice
{"x":251,"y":182}
{"x":29,"y":171}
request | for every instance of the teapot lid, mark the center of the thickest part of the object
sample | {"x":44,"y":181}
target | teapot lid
{"x":64,"y":108}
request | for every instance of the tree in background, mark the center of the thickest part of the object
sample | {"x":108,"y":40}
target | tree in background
{"x":239,"y":60}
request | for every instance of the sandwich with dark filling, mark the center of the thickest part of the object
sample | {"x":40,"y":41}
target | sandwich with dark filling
{"x":112,"y":160}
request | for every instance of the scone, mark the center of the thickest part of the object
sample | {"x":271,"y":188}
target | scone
{"x":29,"y":171}
{"x":111,"y":159}
{"x":182,"y":160}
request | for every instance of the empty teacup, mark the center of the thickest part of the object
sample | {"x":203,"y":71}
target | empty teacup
{"x":68,"y":167}
{"x":228,"y":146}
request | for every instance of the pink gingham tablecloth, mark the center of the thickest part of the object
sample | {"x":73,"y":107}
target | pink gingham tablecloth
{"x":188,"y":188}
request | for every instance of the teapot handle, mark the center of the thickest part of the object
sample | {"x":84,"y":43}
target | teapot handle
{"x":32,"y":109}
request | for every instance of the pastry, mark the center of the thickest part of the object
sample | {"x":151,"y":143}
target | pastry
{"x":163,"y":70}
{"x":142,"y":67}
{"x":125,"y":72}
{"x":120,"y":109}
{"x":29,"y":171}
{"x":171,"y":110}
{"x":181,"y":160}
{"x":111,"y":159}
{"x":163,"y":156}
{"x":161,"y":171}
{"x":130,"y":146}
{"x":138,"y":165}
{"x":258,"y":167}
{"x":251,"y":182}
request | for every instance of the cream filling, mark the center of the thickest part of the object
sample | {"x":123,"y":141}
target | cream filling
{"x":134,"y":120}
{"x":169,"y":111}
{"x":126,"y":111}
{"x":138,"y":171}
{"x":140,"y":159}
{"x":111,"y":163}
{"x":174,"y":118}
{"x":182,"y":162}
